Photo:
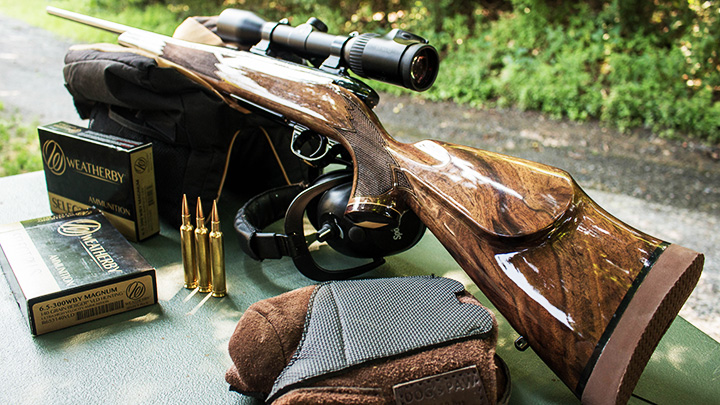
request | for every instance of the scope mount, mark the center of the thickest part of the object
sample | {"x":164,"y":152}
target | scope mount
{"x":331,"y":64}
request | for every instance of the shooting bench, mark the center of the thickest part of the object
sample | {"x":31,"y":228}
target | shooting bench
{"x":176,"y":351}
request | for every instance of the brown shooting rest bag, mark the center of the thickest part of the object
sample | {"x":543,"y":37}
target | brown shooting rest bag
{"x":404,"y":340}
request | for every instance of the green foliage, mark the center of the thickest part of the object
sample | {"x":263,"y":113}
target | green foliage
{"x":630,"y":63}
{"x":575,"y":61}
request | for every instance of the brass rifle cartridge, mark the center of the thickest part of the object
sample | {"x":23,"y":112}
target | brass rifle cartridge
{"x":217,"y":254}
{"x":187,"y":246}
{"x":202,"y":250}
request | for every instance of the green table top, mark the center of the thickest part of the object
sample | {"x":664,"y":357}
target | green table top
{"x":176,"y":351}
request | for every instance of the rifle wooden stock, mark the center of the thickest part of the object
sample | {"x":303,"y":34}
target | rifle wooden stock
{"x":591,"y":295}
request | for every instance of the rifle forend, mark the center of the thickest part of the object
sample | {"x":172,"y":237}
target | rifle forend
{"x":590,"y":294}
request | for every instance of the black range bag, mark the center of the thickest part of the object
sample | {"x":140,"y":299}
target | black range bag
{"x":200,"y":144}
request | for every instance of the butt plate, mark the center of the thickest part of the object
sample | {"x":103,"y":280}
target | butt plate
{"x":648,"y":315}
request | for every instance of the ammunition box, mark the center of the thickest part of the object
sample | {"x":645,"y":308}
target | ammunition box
{"x":73,"y":268}
{"x":84,"y":169}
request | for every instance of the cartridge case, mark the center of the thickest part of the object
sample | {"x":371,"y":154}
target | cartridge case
{"x":217,"y":255}
{"x":187,"y":246}
{"x":202,"y":251}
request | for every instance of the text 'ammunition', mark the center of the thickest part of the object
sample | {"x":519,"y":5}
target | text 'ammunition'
{"x":607,"y":292}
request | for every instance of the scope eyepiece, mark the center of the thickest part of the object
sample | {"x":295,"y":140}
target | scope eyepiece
{"x":240,"y":26}
{"x":399,"y":57}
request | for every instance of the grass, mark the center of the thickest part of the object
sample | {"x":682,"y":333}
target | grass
{"x":586,"y":65}
{"x":19,"y":148}
{"x":33,"y":12}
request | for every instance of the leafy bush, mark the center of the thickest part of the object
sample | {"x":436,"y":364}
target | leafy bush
{"x":572,"y":60}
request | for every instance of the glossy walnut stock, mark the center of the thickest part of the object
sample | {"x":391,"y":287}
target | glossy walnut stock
{"x":559,"y":268}
{"x":591,"y":295}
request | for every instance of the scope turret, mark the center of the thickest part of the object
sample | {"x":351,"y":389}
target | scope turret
{"x":399,"y":57}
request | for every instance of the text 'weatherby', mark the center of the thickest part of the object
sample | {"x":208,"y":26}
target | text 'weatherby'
{"x":98,"y":172}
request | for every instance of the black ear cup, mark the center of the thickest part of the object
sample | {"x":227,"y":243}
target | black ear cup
{"x":326,"y":213}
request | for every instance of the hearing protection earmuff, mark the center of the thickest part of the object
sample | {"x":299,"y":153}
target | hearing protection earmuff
{"x":324,"y":201}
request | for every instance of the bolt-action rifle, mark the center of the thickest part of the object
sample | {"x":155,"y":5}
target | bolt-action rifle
{"x":591,"y":295}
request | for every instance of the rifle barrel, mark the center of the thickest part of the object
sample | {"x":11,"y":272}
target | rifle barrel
{"x":87,"y":20}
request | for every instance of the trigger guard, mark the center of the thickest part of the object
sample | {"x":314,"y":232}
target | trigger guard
{"x":300,"y":137}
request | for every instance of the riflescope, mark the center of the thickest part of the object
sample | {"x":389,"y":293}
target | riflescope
{"x":399,"y":57}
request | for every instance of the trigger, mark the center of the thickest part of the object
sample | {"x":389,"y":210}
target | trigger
{"x":315,"y":149}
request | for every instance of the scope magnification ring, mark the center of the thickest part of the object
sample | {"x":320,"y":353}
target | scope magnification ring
{"x":356,"y":52}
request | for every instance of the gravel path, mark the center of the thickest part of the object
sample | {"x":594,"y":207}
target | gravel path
{"x":31,"y":81}
{"x":670,"y":190}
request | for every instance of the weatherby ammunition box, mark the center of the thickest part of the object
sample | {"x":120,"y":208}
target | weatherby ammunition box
{"x":84,"y":168}
{"x":73,"y":268}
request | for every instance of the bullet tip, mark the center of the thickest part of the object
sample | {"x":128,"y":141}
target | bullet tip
{"x":185,"y":209}
{"x":214,"y":214}
{"x":199,"y":211}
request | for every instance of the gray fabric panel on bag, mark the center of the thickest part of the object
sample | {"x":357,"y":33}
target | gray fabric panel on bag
{"x":355,"y":321}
